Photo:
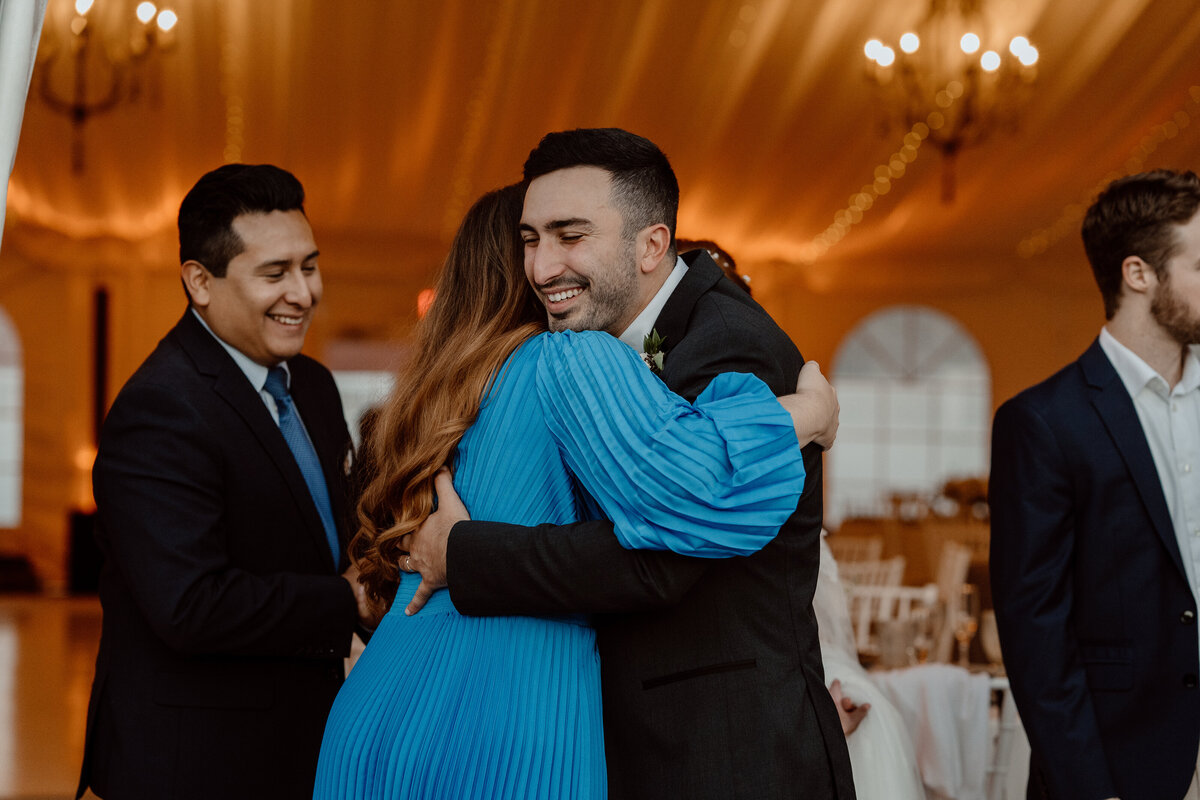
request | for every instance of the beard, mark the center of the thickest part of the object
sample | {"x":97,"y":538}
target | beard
{"x":1174,"y":315}
{"x":610,"y":294}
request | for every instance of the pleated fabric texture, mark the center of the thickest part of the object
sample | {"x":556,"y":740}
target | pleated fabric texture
{"x":716,"y":479}
{"x":445,"y":706}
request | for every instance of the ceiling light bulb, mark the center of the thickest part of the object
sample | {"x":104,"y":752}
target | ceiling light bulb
{"x":145,"y":12}
{"x":909,"y":42}
{"x":990,"y":61}
{"x":167,"y":20}
{"x":1029,"y":57}
{"x":887,"y":57}
{"x":1018,"y":45}
{"x":873,"y":48}
{"x":969,"y":43}
{"x":83,"y":6}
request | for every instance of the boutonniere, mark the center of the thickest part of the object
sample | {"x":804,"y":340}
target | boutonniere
{"x":652,"y":352}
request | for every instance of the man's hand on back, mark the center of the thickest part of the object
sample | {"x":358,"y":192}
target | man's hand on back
{"x":427,"y":546}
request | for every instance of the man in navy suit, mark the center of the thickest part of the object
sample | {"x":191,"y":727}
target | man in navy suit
{"x":1095,"y":498}
{"x":220,"y":489}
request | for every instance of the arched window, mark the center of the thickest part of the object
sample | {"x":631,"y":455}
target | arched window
{"x":12,"y":392}
{"x":915,"y":395}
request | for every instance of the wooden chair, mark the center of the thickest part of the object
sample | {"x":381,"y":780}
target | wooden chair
{"x":877,"y":572}
{"x":849,"y":549}
{"x":953,"y":565}
{"x":869,"y":604}
{"x":975,"y":536}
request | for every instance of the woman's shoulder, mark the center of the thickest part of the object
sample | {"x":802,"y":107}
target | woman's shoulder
{"x":589,"y":357}
{"x":566,"y":342}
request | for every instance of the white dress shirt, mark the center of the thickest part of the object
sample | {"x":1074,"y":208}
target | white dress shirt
{"x":635,"y":334}
{"x":255,"y":373}
{"x":1170,"y":418}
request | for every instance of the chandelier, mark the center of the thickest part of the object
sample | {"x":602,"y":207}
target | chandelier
{"x":93,"y":56}
{"x":949,"y":81}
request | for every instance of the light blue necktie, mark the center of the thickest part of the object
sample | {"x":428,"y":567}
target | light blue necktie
{"x":306,"y":457}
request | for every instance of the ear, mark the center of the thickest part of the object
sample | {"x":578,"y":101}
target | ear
{"x":196,"y":279}
{"x":1137,"y":275}
{"x":653,"y":244}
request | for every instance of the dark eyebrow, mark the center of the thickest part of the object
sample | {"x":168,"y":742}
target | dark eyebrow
{"x":283,"y":262}
{"x":574,"y":222}
{"x":559,"y":224}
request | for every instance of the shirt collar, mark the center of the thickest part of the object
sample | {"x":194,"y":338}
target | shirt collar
{"x":635,"y":334}
{"x":1190,"y":380}
{"x":255,"y":373}
{"x":1136,"y":374}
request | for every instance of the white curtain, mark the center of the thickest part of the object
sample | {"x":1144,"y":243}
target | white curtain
{"x":20,"y":26}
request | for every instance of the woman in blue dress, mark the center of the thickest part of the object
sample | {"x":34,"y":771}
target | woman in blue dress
{"x":539,"y":428}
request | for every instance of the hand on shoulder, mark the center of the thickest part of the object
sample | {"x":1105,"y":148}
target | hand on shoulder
{"x":814,"y":407}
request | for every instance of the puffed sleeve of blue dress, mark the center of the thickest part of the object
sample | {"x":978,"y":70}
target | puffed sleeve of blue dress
{"x":716,"y":478}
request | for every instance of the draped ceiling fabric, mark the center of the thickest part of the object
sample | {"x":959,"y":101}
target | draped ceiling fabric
{"x":20,"y":21}
{"x":397,"y":114}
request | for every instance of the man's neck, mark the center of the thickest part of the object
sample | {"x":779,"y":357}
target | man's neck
{"x":1152,"y":344}
{"x":666,"y":279}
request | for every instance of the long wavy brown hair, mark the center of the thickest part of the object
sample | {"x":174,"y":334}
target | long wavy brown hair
{"x":483,"y":310}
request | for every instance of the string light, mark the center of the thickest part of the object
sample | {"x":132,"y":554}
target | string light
{"x":864,"y":199}
{"x":884,"y":176}
{"x":1068,"y":221}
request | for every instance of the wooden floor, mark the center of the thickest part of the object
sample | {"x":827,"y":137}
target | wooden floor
{"x":47,"y":657}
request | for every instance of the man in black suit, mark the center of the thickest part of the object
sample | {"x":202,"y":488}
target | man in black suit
{"x":1095,"y":498}
{"x":221,"y":516}
{"x":711,"y":670}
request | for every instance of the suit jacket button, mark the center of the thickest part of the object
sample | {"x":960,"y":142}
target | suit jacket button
{"x":1187,"y":617}
{"x":1189,"y":681}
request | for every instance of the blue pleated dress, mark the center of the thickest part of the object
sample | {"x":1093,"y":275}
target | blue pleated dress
{"x":442,"y":705}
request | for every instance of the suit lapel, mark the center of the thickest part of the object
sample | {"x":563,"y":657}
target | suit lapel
{"x":702,"y":275}
{"x":229,"y":382}
{"x":1115,"y":407}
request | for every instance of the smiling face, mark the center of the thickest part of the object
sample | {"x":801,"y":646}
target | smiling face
{"x":583,"y":269}
{"x":266,"y":300}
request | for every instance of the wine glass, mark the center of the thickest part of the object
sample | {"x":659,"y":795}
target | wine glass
{"x":966,"y":621}
{"x":989,"y":637}
{"x":928,"y":622}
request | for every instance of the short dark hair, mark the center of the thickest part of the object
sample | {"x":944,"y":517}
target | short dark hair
{"x":1135,"y":216}
{"x":208,"y":210}
{"x":644,"y":185}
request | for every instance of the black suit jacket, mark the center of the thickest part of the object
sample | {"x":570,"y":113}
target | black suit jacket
{"x":1097,"y":622}
{"x":711,"y":670}
{"x":225,"y":618}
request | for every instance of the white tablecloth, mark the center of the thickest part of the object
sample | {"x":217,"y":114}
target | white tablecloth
{"x":946,"y":710}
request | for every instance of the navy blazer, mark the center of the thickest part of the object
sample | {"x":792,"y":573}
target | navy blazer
{"x":1097,"y":620}
{"x":225,"y":618}
{"x":711,"y":668}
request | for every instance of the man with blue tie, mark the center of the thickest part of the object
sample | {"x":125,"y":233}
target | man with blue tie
{"x":220,"y":486}
{"x":1095,"y":498}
